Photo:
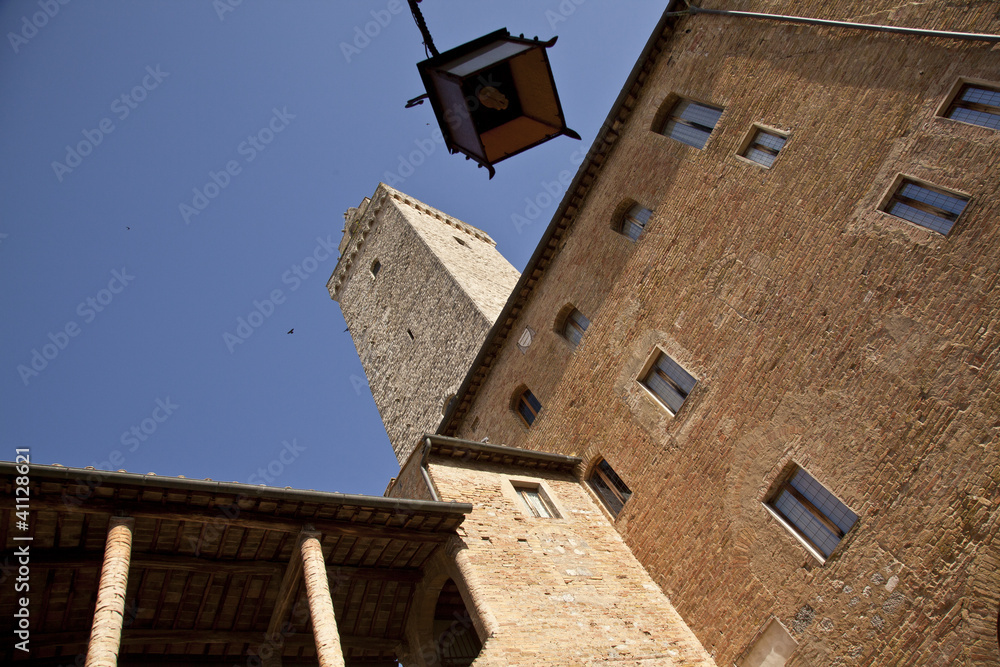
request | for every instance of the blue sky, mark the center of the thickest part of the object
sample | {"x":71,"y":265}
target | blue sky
{"x":170,"y":168}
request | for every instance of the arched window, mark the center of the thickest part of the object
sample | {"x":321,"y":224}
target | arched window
{"x":527,"y":406}
{"x":574,"y":327}
{"x":609,"y":487}
{"x":633,"y":222}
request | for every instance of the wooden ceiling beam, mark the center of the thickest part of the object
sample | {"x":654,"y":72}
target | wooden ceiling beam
{"x":84,"y":558}
{"x":240,"y":519}
{"x":132,"y":637}
{"x":287,"y":592}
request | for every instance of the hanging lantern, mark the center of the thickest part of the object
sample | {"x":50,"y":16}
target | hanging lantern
{"x":494,"y":97}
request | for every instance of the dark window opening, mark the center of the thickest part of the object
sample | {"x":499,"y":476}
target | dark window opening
{"x":609,"y":487}
{"x":528,"y":407}
{"x":456,"y":641}
{"x":376,"y":267}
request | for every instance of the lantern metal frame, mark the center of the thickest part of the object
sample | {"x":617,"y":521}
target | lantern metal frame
{"x":436,"y":66}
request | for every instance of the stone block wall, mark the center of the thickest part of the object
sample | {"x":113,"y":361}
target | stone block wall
{"x":415,"y":344}
{"x":562,"y":591}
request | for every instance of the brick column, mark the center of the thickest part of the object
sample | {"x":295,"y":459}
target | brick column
{"x":106,"y":632}
{"x":324,"y":623}
{"x":483,"y":618}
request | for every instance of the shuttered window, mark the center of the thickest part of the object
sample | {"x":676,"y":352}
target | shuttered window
{"x":634,"y":222}
{"x":976,"y":104}
{"x":576,"y":325}
{"x":926,"y":206}
{"x":691,"y":122}
{"x":764,"y":147}
{"x":815,"y":514}
{"x":536,"y":502}
{"x":668,"y":382}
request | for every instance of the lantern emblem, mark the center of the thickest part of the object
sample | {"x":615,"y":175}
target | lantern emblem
{"x":494,"y":97}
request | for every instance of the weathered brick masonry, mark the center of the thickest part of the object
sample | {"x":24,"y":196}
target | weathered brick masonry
{"x":821,"y":331}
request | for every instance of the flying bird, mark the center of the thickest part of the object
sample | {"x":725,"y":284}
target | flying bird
{"x":291,"y":331}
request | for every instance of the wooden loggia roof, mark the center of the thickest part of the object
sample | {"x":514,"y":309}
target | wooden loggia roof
{"x":212,"y":575}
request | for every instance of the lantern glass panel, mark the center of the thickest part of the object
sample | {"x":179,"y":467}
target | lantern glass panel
{"x":484,"y":57}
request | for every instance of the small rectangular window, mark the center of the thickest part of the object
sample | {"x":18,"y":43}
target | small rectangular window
{"x":764,"y":147}
{"x":812,"y":511}
{"x":609,"y":487}
{"x":976,"y":104}
{"x":926,"y":205}
{"x":668,"y":382}
{"x":691,"y":122}
{"x":536,"y":502}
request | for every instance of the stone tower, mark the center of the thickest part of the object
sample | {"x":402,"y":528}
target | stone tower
{"x":419,"y":290}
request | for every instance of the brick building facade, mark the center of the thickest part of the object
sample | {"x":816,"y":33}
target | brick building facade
{"x":765,"y":321}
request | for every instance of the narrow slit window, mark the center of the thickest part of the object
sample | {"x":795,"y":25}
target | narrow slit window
{"x":376,"y":267}
{"x":576,"y":325}
{"x":764,"y":147}
{"x":691,"y":122}
{"x":976,"y":104}
{"x":528,"y":407}
{"x":609,"y":487}
{"x":813,"y":512}
{"x":668,"y":382}
{"x":536,"y":502}
{"x":926,"y":206}
{"x":634,"y":222}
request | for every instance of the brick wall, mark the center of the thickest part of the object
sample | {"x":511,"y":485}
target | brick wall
{"x":821,"y":330}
